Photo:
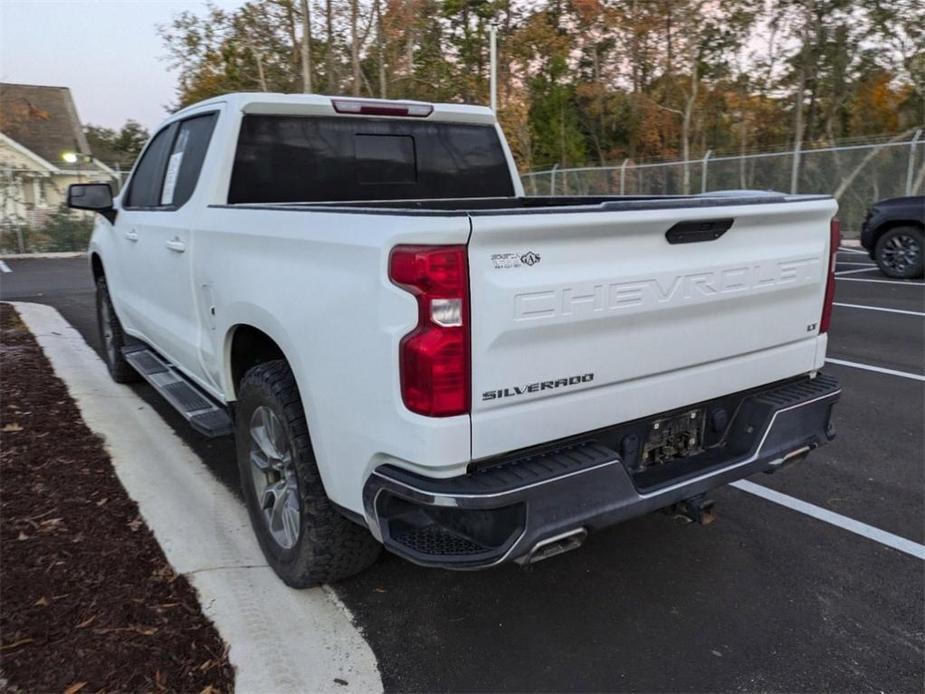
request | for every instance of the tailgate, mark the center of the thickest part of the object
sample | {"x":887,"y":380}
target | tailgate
{"x":585,"y":319}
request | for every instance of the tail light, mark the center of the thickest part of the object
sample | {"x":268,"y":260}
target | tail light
{"x":434,"y":357}
{"x":834,"y":243}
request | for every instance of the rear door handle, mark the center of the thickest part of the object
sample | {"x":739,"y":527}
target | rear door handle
{"x":176,"y":245}
{"x":131,"y":235}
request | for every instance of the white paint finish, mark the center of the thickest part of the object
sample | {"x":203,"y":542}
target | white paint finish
{"x":872,"y":268}
{"x":4,"y":267}
{"x":316,"y":282}
{"x":877,"y":369}
{"x":905,"y":283}
{"x":281,"y":640}
{"x":659,"y":326}
{"x":880,"y":308}
{"x":339,"y":321}
{"x":883,"y":537}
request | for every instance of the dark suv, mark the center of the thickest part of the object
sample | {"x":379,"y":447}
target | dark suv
{"x":892,"y":234}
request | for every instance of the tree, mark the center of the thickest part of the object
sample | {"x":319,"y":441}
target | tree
{"x":117,"y":147}
{"x":587,"y":80}
{"x":306,"y":47}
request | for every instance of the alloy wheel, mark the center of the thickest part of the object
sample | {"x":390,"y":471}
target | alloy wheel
{"x":901,"y":253}
{"x":109,"y":336}
{"x":274,"y":477}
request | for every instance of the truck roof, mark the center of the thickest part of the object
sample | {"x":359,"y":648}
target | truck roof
{"x":321,"y":105}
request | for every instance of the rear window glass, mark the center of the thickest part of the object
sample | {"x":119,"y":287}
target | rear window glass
{"x":321,"y":159}
{"x":385,"y":159}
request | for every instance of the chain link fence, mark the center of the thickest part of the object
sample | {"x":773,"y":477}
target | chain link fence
{"x":857,"y":175}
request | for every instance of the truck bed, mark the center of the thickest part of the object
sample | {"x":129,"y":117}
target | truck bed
{"x":539,"y":204}
{"x":633,"y":305}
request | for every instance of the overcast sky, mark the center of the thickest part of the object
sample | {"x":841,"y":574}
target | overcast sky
{"x":107,"y":51}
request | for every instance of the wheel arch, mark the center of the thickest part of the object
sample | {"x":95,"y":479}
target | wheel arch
{"x":892,"y":224}
{"x":246,"y":347}
{"x":247,"y":344}
{"x":96,"y":266}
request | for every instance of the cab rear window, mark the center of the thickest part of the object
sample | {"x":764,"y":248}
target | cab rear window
{"x":324,"y":159}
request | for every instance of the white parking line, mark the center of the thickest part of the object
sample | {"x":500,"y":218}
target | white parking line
{"x":878,"y":369}
{"x":845,"y":262}
{"x":906,"y":283}
{"x":880,"y":308}
{"x":851,"y":250}
{"x":852,"y":272}
{"x":896,"y":542}
{"x":4,"y":267}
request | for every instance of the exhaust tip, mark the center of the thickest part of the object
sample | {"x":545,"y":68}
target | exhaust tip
{"x":792,"y":457}
{"x":556,"y":545}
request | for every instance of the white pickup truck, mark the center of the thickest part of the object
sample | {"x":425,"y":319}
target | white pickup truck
{"x":412,"y":353}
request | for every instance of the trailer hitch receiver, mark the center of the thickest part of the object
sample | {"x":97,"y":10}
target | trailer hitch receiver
{"x":698,"y":509}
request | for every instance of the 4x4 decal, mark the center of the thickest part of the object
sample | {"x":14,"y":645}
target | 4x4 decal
{"x":506,"y":261}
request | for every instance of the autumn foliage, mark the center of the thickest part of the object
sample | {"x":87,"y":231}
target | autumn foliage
{"x":587,"y":81}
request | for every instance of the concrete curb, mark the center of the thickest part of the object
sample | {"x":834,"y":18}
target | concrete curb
{"x":281,"y":640}
{"x":57,"y":254}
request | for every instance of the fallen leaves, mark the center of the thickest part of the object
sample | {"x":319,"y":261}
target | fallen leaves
{"x":16,"y":644}
{"x":80,"y":569}
{"x":134,"y":629}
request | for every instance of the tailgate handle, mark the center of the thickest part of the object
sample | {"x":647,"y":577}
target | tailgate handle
{"x":698,"y":230}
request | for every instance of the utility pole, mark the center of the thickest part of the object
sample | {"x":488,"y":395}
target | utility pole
{"x":306,"y":48}
{"x":493,"y":52}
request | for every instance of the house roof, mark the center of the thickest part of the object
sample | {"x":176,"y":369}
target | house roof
{"x":42,"y":119}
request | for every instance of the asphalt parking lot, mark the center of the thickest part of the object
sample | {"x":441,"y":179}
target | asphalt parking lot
{"x":765,"y":599}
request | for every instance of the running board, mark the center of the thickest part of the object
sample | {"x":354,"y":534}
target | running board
{"x":204,"y":415}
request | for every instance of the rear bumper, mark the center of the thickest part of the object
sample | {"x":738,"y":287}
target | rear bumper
{"x":509,"y":508}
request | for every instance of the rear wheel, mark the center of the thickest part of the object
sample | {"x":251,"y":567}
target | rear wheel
{"x":899,"y":252}
{"x":112,"y":336}
{"x":303,"y":536}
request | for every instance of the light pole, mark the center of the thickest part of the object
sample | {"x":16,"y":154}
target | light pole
{"x":493,"y":53}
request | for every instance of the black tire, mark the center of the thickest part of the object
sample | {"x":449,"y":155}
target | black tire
{"x":112,"y":336}
{"x":327,"y":546}
{"x":899,"y":252}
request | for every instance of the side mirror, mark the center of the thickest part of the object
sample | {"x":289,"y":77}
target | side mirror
{"x":92,"y":196}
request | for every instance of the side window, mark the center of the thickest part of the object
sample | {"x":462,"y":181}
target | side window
{"x":146,"y":181}
{"x":185,"y":162}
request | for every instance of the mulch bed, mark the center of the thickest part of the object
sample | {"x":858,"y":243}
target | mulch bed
{"x":87,"y":600}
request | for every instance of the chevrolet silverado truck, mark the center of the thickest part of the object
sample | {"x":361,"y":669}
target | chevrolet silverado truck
{"x":411,"y":352}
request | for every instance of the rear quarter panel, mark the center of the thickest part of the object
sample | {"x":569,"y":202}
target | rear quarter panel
{"x":317,"y":283}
